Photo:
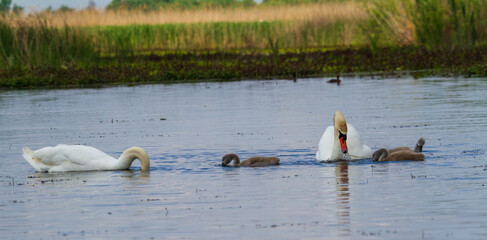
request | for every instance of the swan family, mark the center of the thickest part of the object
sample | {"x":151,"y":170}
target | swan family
{"x":339,"y":142}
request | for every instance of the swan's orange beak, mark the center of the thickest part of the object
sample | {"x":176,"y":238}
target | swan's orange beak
{"x":343,"y":142}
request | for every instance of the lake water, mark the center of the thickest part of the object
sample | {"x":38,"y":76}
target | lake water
{"x":187,"y":128}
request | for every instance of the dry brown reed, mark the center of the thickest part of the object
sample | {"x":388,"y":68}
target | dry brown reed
{"x":397,"y":20}
{"x":325,"y":12}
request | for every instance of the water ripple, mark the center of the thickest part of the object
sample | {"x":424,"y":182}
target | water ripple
{"x":187,"y":128}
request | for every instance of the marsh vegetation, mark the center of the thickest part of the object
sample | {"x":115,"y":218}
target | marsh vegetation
{"x":161,"y":40}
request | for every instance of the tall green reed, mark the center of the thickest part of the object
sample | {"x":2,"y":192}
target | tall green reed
{"x":37,"y":44}
{"x":433,"y":24}
{"x":34,"y":45}
{"x":220,"y":36}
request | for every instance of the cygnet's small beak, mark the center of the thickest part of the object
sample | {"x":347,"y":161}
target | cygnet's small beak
{"x":343,"y":144}
{"x":224,"y":164}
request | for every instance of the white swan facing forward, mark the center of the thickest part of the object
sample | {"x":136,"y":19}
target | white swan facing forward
{"x":341,"y":142}
{"x":72,"y":158}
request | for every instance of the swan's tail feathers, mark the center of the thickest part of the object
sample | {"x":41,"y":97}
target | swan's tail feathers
{"x":35,"y":162}
{"x":419,"y":145}
{"x":28,"y":154}
{"x":27,"y":151}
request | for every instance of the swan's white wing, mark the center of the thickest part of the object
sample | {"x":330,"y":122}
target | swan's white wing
{"x":356,"y":148}
{"x":77,"y":154}
{"x":325,"y":147}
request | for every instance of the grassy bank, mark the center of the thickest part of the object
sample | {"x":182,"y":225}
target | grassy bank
{"x":447,"y":36}
{"x":184,"y":67}
{"x":37,"y":43}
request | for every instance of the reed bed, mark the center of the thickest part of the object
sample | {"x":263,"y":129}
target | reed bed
{"x":77,"y":38}
{"x":325,"y":12}
{"x":446,"y":24}
{"x":40,"y":45}
{"x":85,"y":37}
{"x":225,"y":36}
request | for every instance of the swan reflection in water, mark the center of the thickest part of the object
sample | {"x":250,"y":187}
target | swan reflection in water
{"x":343,"y":198}
{"x":135,"y":177}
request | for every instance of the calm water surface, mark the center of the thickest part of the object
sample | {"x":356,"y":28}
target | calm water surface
{"x":186,"y":128}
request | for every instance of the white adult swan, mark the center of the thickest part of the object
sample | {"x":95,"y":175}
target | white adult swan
{"x":66,"y":158}
{"x":341,"y":142}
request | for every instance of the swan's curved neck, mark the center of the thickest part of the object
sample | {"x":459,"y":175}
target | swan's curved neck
{"x":418,"y":148}
{"x":339,"y":124}
{"x":133,"y":153}
{"x":337,"y":152}
{"x":236,"y":160}
{"x":383,"y":155}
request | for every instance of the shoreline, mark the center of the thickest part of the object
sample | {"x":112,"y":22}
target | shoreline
{"x":173,"y":67}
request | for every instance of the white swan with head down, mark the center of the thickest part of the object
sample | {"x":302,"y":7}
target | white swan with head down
{"x":341,"y":142}
{"x":67,"y":158}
